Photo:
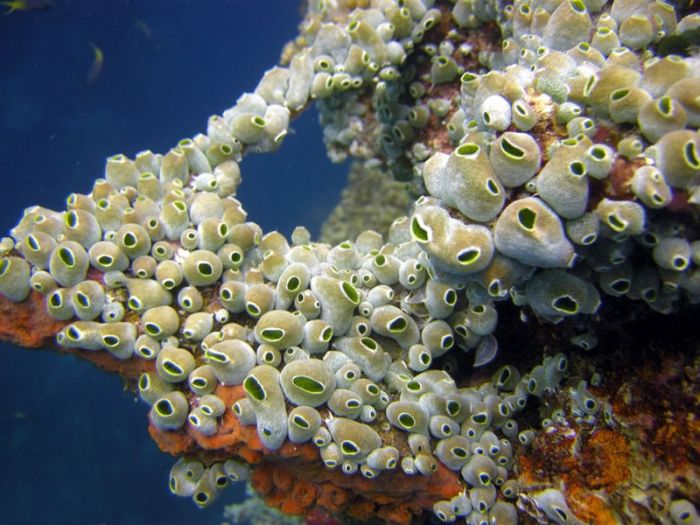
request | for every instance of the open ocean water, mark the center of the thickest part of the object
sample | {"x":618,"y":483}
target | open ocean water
{"x":74,"y":447}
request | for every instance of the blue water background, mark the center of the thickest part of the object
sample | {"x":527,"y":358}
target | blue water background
{"x":74,"y":448}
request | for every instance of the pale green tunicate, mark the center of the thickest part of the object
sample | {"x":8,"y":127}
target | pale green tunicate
{"x":68,"y":264}
{"x":649,"y":186}
{"x":295,"y":278}
{"x":366,"y":353}
{"x":160,"y":322}
{"x":515,"y":158}
{"x":170,"y":411}
{"x":174,"y":364}
{"x":368,"y":391}
{"x":36,"y":248}
{"x":330,"y":453}
{"x":622,"y":217}
{"x":556,"y":293}
{"x":259,"y":298}
{"x":88,"y":300}
{"x":659,"y":117}
{"x":169,"y":274}
{"x":317,"y":336}
{"x":80,"y":334}
{"x":408,"y":416}
{"x":231,"y":360}
{"x":389,"y":321}
{"x":444,"y":511}
{"x":267,"y":399}
{"x":236,"y":470}
{"x":683,"y":512}
{"x":133,"y":240}
{"x":530,"y":232}
{"x":202,"y":380}
{"x":672,"y":253}
{"x":197,"y":326}
{"x":469,"y":184}
{"x":207,"y":489}
{"x":303,"y":423}
{"x":453,"y":246}
{"x":184,"y":475}
{"x":201,"y":422}
{"x":385,"y":268}
{"x":437,"y":337}
{"x":280,"y":329}
{"x":553,"y":503}
{"x":356,"y":440}
{"x":14,"y":278}
{"x":440,"y":299}
{"x":151,"y":387}
{"x":480,"y":471}
{"x":118,"y":339}
{"x":345,"y":403}
{"x":678,"y":157}
{"x":202,"y":268}
{"x":107,"y":256}
{"x":58,"y":304}
{"x":42,"y":282}
{"x":563,"y":183}
{"x":308,"y":382}
{"x":244,"y":411}
{"x":383,"y":458}
{"x":145,"y":294}
{"x":338,"y":300}
{"x":624,"y":104}
{"x":568,"y":25}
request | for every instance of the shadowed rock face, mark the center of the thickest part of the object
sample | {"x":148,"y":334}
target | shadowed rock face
{"x":549,"y":170}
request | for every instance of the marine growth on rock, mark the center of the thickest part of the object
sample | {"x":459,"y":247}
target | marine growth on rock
{"x":518,"y":167}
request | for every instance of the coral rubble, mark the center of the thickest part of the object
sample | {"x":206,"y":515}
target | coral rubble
{"x":525,"y":187}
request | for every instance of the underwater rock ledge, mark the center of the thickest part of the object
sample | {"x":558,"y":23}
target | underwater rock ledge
{"x":517,"y":345}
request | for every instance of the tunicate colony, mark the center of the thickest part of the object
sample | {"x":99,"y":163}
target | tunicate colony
{"x":335,"y":344}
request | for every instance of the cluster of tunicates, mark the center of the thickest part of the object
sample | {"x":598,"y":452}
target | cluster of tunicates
{"x":480,"y":446}
{"x":340,"y":398}
{"x":189,"y":477}
{"x":321,"y":345}
{"x":337,"y":344}
{"x":527,"y":206}
{"x":536,"y":197}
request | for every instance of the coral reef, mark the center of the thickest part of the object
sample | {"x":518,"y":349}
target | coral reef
{"x":255,"y":512}
{"x":371,"y":200}
{"x":524,"y":190}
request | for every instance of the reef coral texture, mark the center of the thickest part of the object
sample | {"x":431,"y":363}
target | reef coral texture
{"x":459,"y":351}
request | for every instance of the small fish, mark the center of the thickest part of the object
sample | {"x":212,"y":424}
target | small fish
{"x":142,"y":27}
{"x":96,"y":66}
{"x":20,"y":416}
{"x":27,"y":5}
